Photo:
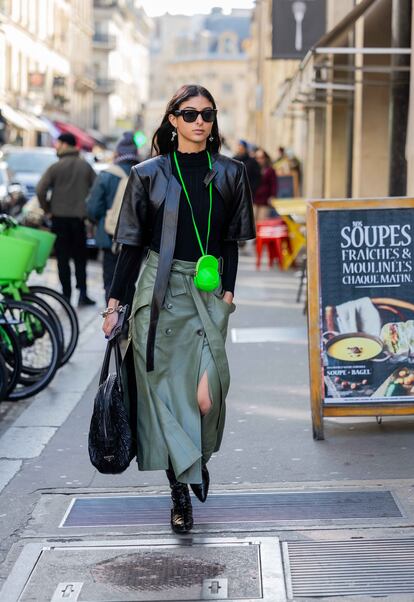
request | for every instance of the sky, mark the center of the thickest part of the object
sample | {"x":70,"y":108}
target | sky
{"x":154,"y":8}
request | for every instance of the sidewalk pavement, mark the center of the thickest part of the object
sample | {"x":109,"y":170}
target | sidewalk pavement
{"x":88,"y":319}
{"x":267,"y":447}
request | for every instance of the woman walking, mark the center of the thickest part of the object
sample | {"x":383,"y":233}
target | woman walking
{"x":267,"y":187}
{"x":189,"y":206}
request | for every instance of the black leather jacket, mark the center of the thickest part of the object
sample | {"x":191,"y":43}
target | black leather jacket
{"x":150,"y":184}
{"x":152,"y":181}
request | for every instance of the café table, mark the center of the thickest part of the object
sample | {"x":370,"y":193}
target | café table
{"x":293,"y":213}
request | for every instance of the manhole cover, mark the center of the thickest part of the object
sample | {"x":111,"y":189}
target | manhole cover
{"x":370,"y":567}
{"x":177,"y":570}
{"x":233,"y":508}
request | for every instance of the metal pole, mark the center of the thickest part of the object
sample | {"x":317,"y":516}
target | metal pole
{"x":350,"y":120}
{"x":399,"y":102}
{"x":361,"y":50}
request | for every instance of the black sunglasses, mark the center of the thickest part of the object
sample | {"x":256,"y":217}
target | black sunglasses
{"x":191,"y":115}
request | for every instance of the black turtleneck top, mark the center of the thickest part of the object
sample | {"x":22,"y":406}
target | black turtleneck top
{"x":194,"y":167}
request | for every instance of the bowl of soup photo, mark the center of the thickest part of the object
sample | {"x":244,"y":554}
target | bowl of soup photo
{"x":355,"y":347}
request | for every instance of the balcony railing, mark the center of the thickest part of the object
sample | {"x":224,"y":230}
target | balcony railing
{"x":5,"y":7}
{"x":105,"y":3}
{"x":104,"y":85}
{"x":105,"y":41}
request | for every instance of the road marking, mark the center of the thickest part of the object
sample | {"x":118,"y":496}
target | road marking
{"x":25,"y":442}
{"x":8,"y":469}
{"x":270,"y":335}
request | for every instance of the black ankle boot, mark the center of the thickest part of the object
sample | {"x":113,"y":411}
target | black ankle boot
{"x":182,"y":510}
{"x":201,"y":490}
{"x":84,"y":300}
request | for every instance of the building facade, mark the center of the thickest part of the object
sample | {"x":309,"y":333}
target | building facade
{"x":45,"y":51}
{"x":279,"y":43}
{"x":350,"y":96}
{"x":121,"y":65}
{"x":210,"y":50}
{"x":266,"y":78}
{"x":80,"y":56}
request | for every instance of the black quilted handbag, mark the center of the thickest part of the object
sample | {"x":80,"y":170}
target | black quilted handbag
{"x":111,"y":444}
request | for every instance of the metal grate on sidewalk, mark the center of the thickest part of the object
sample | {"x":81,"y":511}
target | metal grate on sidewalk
{"x":174,"y":569}
{"x":233,"y":508}
{"x":374,"y":567}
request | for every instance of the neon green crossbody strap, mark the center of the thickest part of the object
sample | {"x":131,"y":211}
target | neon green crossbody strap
{"x":191,"y":208}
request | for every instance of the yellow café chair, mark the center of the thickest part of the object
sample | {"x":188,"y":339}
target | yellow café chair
{"x":287,"y":208}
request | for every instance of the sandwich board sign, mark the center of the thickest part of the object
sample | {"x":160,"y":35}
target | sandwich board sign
{"x":361,"y":308}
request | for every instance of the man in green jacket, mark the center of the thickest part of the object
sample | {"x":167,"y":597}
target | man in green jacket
{"x":69,"y":181}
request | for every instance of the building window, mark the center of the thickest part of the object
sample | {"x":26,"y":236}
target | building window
{"x":9,"y":67}
{"x":15,"y":11}
{"x":181,"y":45}
{"x":228,"y":43}
{"x":228,"y":46}
{"x":5,"y":7}
{"x":95,"y":116}
{"x":24,"y":14}
{"x":227,"y":88}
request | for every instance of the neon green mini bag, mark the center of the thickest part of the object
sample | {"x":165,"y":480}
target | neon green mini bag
{"x":207,"y":275}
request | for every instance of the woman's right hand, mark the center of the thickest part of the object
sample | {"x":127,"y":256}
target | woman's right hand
{"x":109,"y":323}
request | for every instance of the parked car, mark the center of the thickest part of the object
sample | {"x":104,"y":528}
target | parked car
{"x":26,"y":165}
{"x":12,"y":195}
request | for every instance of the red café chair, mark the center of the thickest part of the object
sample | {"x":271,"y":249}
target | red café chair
{"x":273,"y":234}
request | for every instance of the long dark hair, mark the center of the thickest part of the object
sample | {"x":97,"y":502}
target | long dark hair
{"x":161,"y":141}
{"x":266,"y":156}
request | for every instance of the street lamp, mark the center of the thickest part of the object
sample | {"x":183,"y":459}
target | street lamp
{"x":299,"y":10}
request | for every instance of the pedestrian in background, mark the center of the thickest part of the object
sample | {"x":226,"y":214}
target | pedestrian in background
{"x":69,"y":181}
{"x":253,"y":173}
{"x":102,"y":202}
{"x":252,"y":166}
{"x":267,"y":188}
{"x":190,"y":205}
{"x":282,"y":164}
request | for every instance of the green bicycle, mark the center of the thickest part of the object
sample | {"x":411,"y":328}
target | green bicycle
{"x":29,"y":347}
{"x":13,"y":280}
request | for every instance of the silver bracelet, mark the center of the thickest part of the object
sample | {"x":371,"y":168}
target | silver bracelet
{"x":111,"y":310}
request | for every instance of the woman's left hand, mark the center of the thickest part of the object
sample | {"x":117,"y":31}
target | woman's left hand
{"x":228,"y":297}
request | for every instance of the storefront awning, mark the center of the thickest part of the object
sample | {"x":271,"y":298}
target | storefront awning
{"x":84,"y":141}
{"x":300,"y":90}
{"x":37,"y":123}
{"x":100,"y":138}
{"x":54,"y":132}
{"x":345,"y":24}
{"x":15,"y":118}
{"x":22,"y":120}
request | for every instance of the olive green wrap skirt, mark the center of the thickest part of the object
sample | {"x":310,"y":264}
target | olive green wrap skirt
{"x":190,"y":340}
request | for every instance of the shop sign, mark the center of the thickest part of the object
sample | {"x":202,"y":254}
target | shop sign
{"x":361,"y":293}
{"x":296,"y":27}
{"x":36,"y":81}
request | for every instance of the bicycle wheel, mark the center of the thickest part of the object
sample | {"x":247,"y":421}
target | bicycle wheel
{"x":39,"y":344}
{"x":66,"y":314}
{"x":10,"y":350}
{"x":3,"y":378}
{"x":51,"y":314}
